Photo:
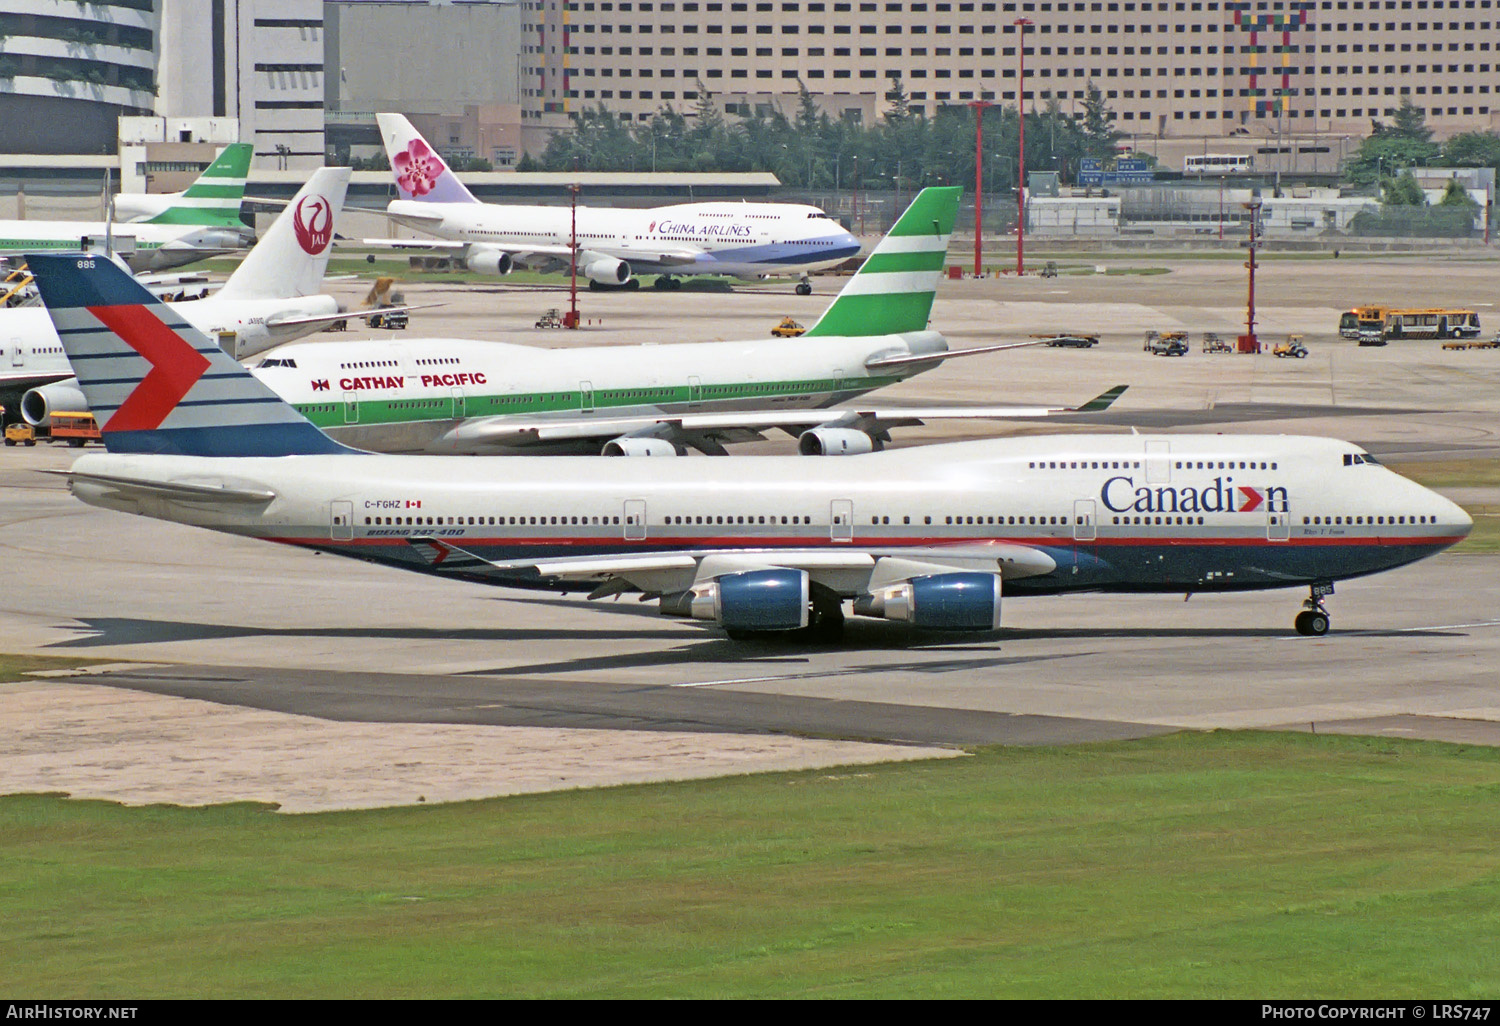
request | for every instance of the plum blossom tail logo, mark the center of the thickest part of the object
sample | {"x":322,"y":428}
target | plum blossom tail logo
{"x":312,"y":222}
{"x":417,"y":169}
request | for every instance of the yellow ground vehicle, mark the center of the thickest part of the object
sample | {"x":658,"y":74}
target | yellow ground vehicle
{"x":1362,"y":318}
{"x":788,"y":328}
{"x":19,"y":434}
{"x":1291,"y":347}
{"x":74,"y":428}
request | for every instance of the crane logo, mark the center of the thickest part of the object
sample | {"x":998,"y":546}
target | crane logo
{"x":312,"y":222}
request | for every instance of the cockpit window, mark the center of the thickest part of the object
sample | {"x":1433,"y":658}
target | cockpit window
{"x":273,"y":361}
{"x":1355,"y":458}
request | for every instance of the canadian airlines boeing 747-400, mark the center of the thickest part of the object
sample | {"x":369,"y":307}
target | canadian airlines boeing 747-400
{"x":929,"y":536}
{"x":744,"y":240}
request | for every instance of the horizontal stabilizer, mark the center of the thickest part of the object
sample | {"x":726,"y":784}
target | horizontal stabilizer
{"x":196,"y":491}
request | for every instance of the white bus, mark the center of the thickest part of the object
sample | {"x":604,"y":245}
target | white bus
{"x":1217,"y":164}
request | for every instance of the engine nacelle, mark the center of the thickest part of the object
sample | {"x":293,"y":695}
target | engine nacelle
{"x":755,"y":600}
{"x":605,"y":270}
{"x":825,"y":441}
{"x":945,"y":602}
{"x":38,"y":404}
{"x":489,"y":261}
{"x":629,"y":445}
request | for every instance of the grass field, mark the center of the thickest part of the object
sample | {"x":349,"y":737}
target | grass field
{"x":1212,"y":865}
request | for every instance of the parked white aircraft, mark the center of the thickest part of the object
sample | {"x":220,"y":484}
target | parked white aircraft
{"x":155,"y":233}
{"x":929,"y":536}
{"x":460,"y":396}
{"x":274,"y":296}
{"x":214,"y":199}
{"x":744,"y":240}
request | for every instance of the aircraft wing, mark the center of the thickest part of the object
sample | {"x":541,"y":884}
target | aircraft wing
{"x":363,"y":314}
{"x":708,"y":431}
{"x":905,"y":360}
{"x":185,"y":489}
{"x":845,"y":569}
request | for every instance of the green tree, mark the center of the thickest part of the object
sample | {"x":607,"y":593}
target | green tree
{"x":1455,"y":195}
{"x":1403,"y":192}
{"x":1473,"y":149}
{"x":1382,"y":156}
{"x":1407,"y":122}
{"x":1099,"y":135}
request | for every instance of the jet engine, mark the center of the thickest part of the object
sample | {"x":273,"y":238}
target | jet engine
{"x":605,"y":270}
{"x":483,"y":260}
{"x":825,"y":441}
{"x":632,"y":445}
{"x":946,"y":602}
{"x":755,"y":600}
{"x":38,"y":404}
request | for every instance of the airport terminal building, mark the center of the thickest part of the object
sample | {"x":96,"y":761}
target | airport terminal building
{"x":1168,"y":68}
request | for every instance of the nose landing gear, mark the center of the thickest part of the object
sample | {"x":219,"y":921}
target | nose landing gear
{"x":1313,"y":621}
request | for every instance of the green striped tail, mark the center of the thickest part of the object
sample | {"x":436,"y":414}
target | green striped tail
{"x":893,"y":291}
{"x":214,"y":197}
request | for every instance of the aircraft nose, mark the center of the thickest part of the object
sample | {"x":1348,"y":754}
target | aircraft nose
{"x":1450,"y":517}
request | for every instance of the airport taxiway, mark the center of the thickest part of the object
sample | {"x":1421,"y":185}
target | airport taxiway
{"x":268,"y":632}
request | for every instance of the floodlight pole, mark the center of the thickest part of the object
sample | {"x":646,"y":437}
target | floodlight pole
{"x":1021,"y":24}
{"x":1253,"y":344}
{"x":572,"y":319}
{"x":979,"y":106}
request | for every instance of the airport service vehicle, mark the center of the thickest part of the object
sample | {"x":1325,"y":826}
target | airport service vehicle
{"x":1390,"y":322}
{"x":1403,"y":324}
{"x":200,"y":222}
{"x":1067,"y":340}
{"x":1212,"y":343}
{"x":743,"y":240}
{"x":272,"y":297}
{"x":931,"y":537}
{"x":788,"y":328}
{"x":20,"y":434}
{"x":74,"y":427}
{"x":1292,"y":347}
{"x":459,"y":396}
{"x":1167,"y":343}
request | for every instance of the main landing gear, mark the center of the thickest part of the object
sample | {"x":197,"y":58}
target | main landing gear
{"x":666,"y":283}
{"x":804,"y":287}
{"x":1313,"y":621}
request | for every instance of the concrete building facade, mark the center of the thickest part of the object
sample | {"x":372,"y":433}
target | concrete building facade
{"x":1167,"y":68}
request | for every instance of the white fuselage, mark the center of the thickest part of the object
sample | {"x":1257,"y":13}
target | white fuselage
{"x":1103,"y":512}
{"x":32,"y":354}
{"x":145,"y":247}
{"x":410,"y":394}
{"x":741,"y":239}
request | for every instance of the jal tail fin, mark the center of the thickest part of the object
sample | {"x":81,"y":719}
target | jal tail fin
{"x":213,"y":200}
{"x":291,"y":257}
{"x":892,"y":292}
{"x":155,"y":383}
{"x":420,"y":173}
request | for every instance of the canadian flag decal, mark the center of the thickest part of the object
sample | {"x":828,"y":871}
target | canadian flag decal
{"x":1251,"y":499}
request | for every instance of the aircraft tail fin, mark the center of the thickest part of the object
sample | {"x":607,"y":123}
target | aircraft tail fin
{"x":892,"y":292}
{"x":213,"y":200}
{"x":420,"y":173}
{"x":291,"y":257}
{"x":155,"y":383}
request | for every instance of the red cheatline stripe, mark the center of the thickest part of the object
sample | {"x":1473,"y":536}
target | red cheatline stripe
{"x":175,"y":367}
{"x":666,"y":543}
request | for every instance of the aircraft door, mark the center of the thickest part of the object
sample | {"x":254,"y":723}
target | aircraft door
{"x":841,"y":520}
{"x":459,"y":406}
{"x":695,"y":390}
{"x":838,"y":380}
{"x":1158,"y":462}
{"x":1278,"y":518}
{"x":17,"y":354}
{"x":635,"y":519}
{"x":1084,"y":528}
{"x":351,"y":407}
{"x":586,"y":396}
{"x":341,"y":521}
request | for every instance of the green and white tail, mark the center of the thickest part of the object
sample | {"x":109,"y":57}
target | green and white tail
{"x":893,"y":291}
{"x":213,"y":200}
